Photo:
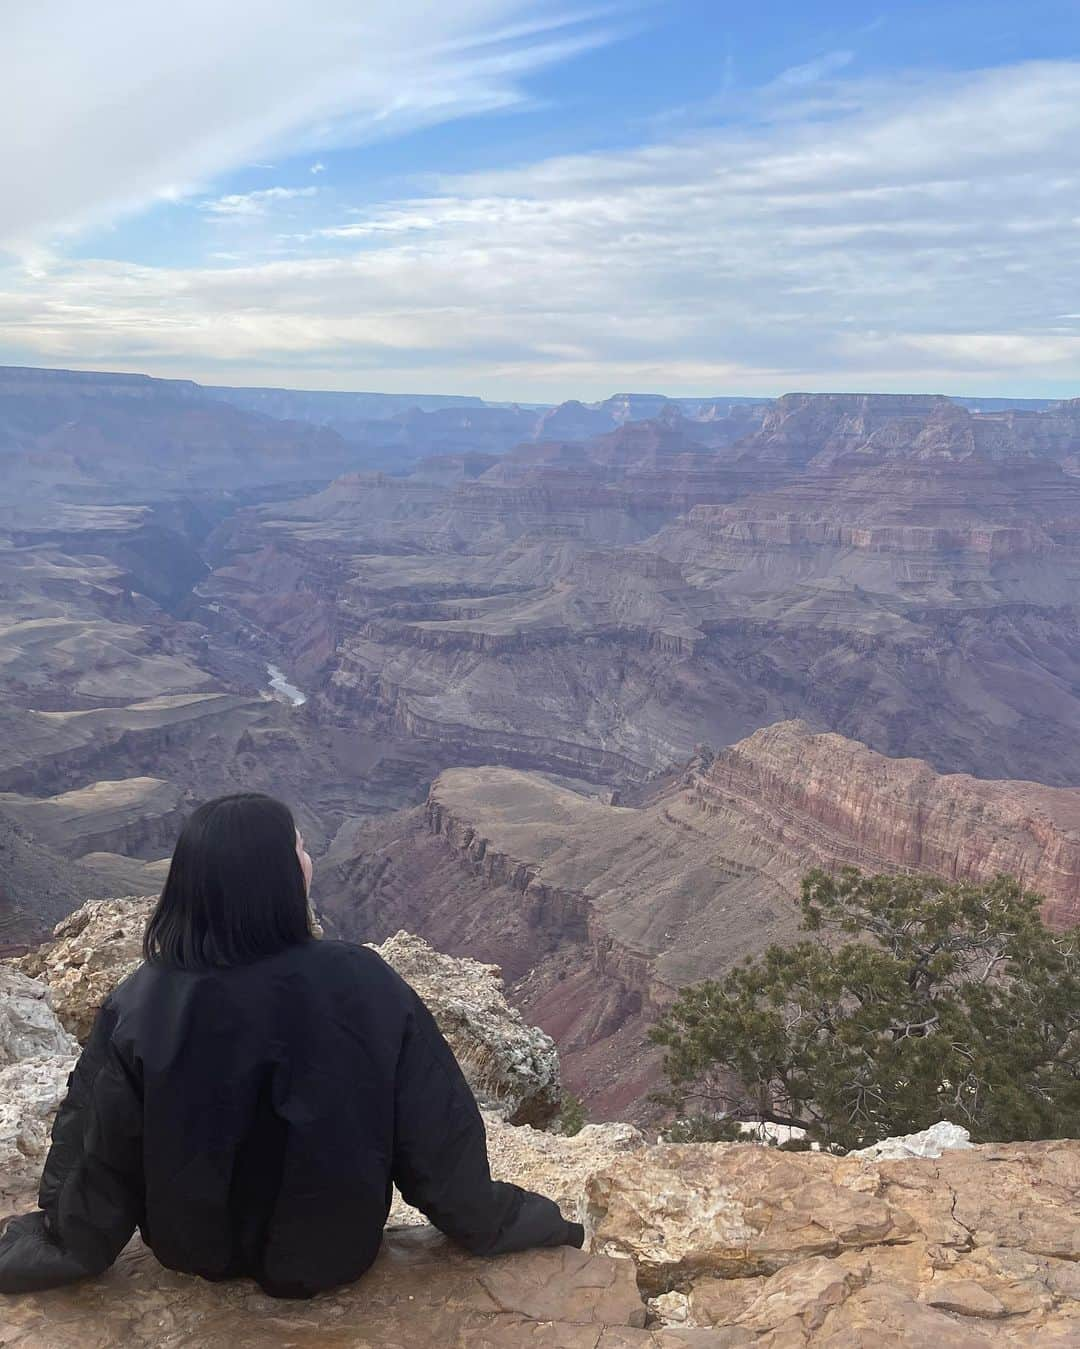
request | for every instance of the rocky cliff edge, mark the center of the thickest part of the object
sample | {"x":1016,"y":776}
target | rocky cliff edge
{"x":708,"y":1245}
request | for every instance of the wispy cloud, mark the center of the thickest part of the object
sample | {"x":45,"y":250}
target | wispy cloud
{"x":107,"y":107}
{"x":923,"y":235}
{"x":248,"y":204}
{"x":821,"y":68}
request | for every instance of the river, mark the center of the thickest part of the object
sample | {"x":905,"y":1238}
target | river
{"x":281,"y":685}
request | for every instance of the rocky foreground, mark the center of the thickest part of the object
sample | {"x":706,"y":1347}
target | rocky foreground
{"x":709,"y":1245}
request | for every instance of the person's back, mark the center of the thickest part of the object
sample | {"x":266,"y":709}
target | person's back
{"x":250,"y":1118}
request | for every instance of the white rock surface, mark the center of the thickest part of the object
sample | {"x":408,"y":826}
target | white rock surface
{"x":761,"y":1131}
{"x":36,"y":1056}
{"x":30,"y":1092}
{"x":28,"y":1024}
{"x":930,"y":1142}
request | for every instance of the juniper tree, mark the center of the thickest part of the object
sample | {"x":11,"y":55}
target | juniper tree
{"x":910,"y":1000}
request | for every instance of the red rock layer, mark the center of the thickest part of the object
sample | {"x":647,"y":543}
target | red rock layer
{"x":833,"y":801}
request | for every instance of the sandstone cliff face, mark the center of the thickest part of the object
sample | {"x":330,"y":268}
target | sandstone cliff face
{"x":832,"y":800}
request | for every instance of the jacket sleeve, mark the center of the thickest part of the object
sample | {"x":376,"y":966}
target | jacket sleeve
{"x":91,"y":1194}
{"x":441,"y":1161}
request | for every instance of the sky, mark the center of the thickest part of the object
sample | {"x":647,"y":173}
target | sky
{"x":534,"y":200}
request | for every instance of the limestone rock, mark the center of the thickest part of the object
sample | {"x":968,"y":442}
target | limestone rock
{"x":513,"y":1068}
{"x":977,"y":1247}
{"x":548,"y":1163}
{"x":36,"y":1056}
{"x":28,"y":1024}
{"x":735,"y":1210}
{"x":930,"y":1142}
{"x":91,"y":951}
{"x":30,"y":1091}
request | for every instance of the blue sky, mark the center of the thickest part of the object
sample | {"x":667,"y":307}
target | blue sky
{"x":532,"y":200}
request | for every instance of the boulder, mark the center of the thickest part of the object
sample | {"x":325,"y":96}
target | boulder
{"x":28,"y":1024}
{"x":91,"y":951}
{"x":930,"y":1142}
{"x":513,"y":1068}
{"x":30,"y":1092}
{"x":36,"y":1056}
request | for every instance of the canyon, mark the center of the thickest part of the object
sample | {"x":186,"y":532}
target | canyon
{"x":599,"y":911}
{"x":580,"y":691}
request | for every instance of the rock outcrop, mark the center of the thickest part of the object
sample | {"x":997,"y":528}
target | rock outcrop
{"x":513,"y":1068}
{"x":29,"y":1027}
{"x":977,"y":1247}
{"x":705,"y":1245}
{"x":91,"y":951}
{"x":548,"y":1162}
{"x":36,"y":1056}
{"x":420,"y":1294}
{"x":510,"y":1066}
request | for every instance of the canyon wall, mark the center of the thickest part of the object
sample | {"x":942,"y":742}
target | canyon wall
{"x":897,"y":569}
{"x":600,"y":911}
{"x":832,"y":800}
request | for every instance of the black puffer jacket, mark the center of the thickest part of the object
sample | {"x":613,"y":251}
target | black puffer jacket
{"x":250,"y":1121}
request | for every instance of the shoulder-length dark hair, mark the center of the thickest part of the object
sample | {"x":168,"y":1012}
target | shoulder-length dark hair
{"x":235,"y":890}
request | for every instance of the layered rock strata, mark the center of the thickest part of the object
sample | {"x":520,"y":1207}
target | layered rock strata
{"x":898,"y":569}
{"x":601,"y":911}
{"x":832,"y":801}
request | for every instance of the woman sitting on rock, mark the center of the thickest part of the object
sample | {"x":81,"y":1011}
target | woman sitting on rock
{"x":249,"y":1095}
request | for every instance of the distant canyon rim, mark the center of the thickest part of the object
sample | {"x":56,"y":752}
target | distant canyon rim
{"x":579,"y":690}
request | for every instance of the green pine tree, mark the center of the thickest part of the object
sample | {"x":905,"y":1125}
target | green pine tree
{"x":911,"y":1000}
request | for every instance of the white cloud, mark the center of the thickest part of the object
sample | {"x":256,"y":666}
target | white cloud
{"x":317,"y":167}
{"x":921,"y":236}
{"x":813,"y":71}
{"x":252,"y":203}
{"x":107,"y":107}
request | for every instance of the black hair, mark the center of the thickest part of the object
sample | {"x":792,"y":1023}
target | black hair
{"x":235,"y":890}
